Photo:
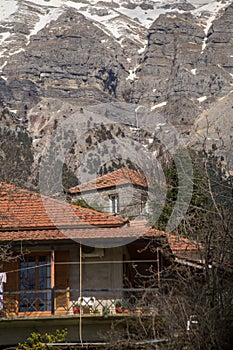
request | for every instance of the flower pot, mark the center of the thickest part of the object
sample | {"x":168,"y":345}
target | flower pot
{"x":126,"y":311}
{"x":138,"y":311}
{"x":86,"y":309}
{"x":76,"y":310}
{"x":118,"y":309}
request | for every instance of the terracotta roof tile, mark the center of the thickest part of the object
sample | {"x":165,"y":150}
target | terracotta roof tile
{"x":24,"y":217}
{"x":118,"y":177}
{"x":90,"y":233}
{"x":27,"y":215}
{"x":21,"y":209}
{"x":181,"y":247}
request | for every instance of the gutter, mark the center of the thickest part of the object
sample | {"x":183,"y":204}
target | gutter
{"x":189,"y":263}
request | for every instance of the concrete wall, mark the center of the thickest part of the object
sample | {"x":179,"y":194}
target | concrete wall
{"x":94,"y":329}
{"x":97,"y":272}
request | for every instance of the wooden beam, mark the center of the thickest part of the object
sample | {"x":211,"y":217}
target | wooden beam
{"x":52,"y":262}
{"x":52,"y":267}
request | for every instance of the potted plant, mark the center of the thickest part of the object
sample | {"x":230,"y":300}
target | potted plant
{"x":125,"y":307}
{"x":106,"y":311}
{"x":96,"y":311}
{"x":86,"y":309}
{"x":76,"y":308}
{"x":118,"y":306}
{"x":138,"y":308}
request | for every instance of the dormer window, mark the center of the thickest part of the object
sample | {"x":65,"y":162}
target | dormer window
{"x":114,"y":203}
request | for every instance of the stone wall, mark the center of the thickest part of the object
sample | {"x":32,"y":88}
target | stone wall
{"x":132,"y":200}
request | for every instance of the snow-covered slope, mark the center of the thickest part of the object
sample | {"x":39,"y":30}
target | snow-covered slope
{"x":123,"y":20}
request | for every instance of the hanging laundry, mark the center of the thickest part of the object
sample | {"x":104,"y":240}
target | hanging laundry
{"x":2,"y":280}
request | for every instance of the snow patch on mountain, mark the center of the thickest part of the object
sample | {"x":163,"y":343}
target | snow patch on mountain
{"x":7,"y":8}
{"x":206,"y":29}
{"x":193,"y":71}
{"x":44,"y":19}
{"x":1,"y":68}
{"x":111,"y":22}
{"x":4,"y":36}
{"x":207,"y":14}
{"x":123,"y":20}
{"x":159,"y":105}
{"x":202,"y":98}
{"x":132,"y":73}
{"x":145,"y":18}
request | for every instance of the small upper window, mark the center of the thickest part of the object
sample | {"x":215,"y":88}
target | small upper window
{"x":114,"y":203}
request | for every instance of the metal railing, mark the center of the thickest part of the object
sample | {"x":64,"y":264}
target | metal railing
{"x":94,"y":302}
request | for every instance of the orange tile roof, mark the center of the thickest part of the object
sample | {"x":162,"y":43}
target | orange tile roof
{"x":118,"y":177}
{"x":178,"y":243}
{"x":23,"y":209}
{"x":123,"y":234}
{"x":181,"y":247}
{"x":24,"y":217}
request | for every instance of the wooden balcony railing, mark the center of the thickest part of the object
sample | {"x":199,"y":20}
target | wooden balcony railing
{"x":67,"y":302}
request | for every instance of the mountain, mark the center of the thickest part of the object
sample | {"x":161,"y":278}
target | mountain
{"x":146,"y":66}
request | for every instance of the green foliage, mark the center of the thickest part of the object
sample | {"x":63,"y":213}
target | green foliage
{"x":82,"y":203}
{"x":118,"y":303}
{"x":211,"y":205}
{"x":125,"y":304}
{"x":37,"y":341}
{"x":171,"y":176}
{"x":94,"y":206}
{"x":96,"y":312}
{"x":15,"y":155}
{"x":211,"y":195}
{"x":106,"y":311}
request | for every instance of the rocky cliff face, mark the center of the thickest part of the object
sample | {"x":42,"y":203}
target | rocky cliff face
{"x":185,"y":68}
{"x":16,"y":154}
{"x":70,"y":59}
{"x":166,"y":62}
{"x":174,"y":43}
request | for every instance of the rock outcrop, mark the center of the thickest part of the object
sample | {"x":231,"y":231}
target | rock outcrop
{"x":184,"y":68}
{"x":167,"y":64}
{"x":70,"y":59}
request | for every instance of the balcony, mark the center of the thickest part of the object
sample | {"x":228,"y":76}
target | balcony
{"x":71,"y":303}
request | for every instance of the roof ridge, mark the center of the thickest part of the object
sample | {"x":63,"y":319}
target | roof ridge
{"x":111,"y":179}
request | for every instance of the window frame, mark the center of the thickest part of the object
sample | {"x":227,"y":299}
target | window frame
{"x":114,"y":203}
{"x":42,"y":300}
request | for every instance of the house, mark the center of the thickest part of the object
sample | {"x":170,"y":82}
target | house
{"x":123,"y":191}
{"x":70,"y":265}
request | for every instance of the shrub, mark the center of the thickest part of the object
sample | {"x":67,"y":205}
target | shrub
{"x":37,"y":341}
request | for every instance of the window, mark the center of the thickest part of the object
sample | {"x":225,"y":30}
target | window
{"x":114,"y":203}
{"x":145,"y":208}
{"x":35,"y":283}
{"x":144,"y":204}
